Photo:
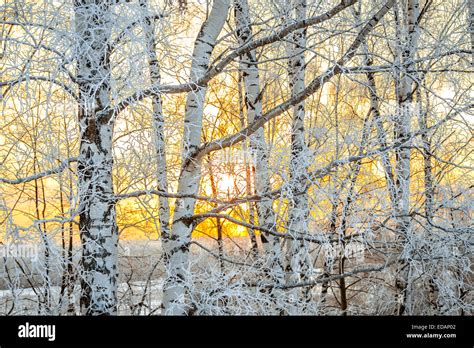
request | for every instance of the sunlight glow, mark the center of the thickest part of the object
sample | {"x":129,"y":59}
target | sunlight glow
{"x":225,"y":183}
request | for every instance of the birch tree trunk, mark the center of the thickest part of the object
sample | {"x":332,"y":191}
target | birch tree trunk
{"x":381,"y":132}
{"x":258,"y":145}
{"x":219,"y":222}
{"x":97,"y":223}
{"x":297,"y":250}
{"x":249,"y":174}
{"x":174,"y":291}
{"x":471,"y":26}
{"x":422,"y":113}
{"x":158,"y":121}
{"x":346,"y":209}
{"x":402,"y":127}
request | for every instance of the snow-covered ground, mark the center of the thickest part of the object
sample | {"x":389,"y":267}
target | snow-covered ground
{"x":135,"y":298}
{"x":141,"y":278}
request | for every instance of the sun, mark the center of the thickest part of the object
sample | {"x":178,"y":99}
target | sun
{"x":225,"y":183}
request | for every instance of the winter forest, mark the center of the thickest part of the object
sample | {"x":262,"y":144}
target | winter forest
{"x":236,"y":157}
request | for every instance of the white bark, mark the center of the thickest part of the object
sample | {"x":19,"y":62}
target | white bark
{"x":471,"y":26}
{"x":433,"y":291}
{"x":258,"y":145}
{"x":297,"y":257}
{"x":249,"y":173}
{"x":403,"y":117}
{"x":174,"y":292}
{"x":377,"y":120}
{"x":158,"y":121}
{"x":95,"y":188}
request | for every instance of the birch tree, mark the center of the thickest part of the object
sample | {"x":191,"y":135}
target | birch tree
{"x":259,"y":151}
{"x":298,"y":262}
{"x":174,"y":301}
{"x":408,"y":31}
{"x":352,"y":118}
{"x":157,"y":118}
{"x":95,"y":187}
